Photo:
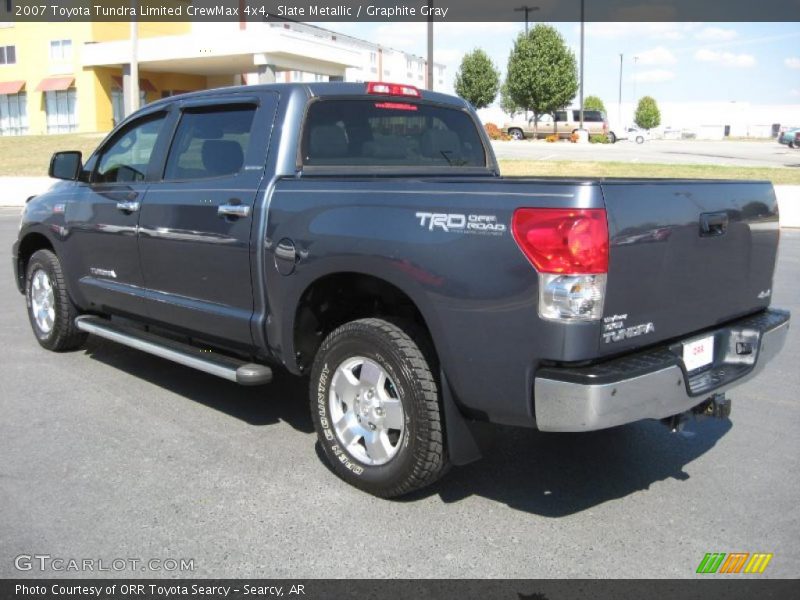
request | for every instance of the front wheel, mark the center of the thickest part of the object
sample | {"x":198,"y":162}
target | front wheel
{"x":639,"y":139}
{"x":516,"y":134}
{"x":612,"y":137}
{"x":375,"y":406}
{"x":50,"y":310}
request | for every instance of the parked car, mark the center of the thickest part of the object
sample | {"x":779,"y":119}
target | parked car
{"x":361,"y":235}
{"x":634,"y":134}
{"x":566,"y":122}
{"x":788,"y":136}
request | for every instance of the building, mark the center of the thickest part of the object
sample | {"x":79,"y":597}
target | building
{"x":73,"y":76}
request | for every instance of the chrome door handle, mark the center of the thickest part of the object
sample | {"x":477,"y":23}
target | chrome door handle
{"x":233,"y":210}
{"x":128,"y":206}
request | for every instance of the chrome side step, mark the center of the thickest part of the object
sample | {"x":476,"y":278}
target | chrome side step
{"x":227,"y":367}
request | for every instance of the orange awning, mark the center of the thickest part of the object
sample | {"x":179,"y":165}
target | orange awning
{"x":55,"y":84}
{"x":144,"y":84}
{"x":11,"y":87}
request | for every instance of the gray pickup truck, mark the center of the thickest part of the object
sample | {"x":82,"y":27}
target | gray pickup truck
{"x":361,"y":235}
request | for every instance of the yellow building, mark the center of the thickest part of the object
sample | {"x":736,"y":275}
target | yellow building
{"x":45,"y":88}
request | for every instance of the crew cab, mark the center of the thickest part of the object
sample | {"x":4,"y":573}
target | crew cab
{"x":361,"y":235}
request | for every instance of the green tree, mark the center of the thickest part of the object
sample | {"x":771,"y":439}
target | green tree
{"x":593,"y":103}
{"x":477,"y":80}
{"x":647,"y":114}
{"x":507,"y":104}
{"x":542,"y":74}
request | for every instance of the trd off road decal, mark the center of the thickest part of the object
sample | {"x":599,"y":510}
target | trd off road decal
{"x":461,"y":223}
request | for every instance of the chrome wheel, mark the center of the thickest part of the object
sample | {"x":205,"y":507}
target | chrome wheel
{"x":366,"y":411}
{"x":43,"y":301}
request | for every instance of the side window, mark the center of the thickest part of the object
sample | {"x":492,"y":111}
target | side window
{"x":561,"y":116}
{"x":210,"y":142}
{"x":128,"y":156}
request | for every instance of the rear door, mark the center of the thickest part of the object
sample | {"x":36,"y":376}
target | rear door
{"x":103,"y":219}
{"x":195,"y":228}
{"x":685,"y":256}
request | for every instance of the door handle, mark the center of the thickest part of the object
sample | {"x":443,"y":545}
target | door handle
{"x":233,"y":210}
{"x":713,"y":224}
{"x":128,"y":207}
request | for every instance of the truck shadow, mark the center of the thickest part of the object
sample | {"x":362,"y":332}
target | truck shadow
{"x":551,"y":475}
{"x":555,"y":475}
{"x":285,"y":399}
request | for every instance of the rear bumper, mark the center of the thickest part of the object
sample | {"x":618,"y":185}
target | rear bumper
{"x":654,"y":384}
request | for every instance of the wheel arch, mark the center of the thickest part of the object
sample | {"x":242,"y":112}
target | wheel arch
{"x":30,"y":243}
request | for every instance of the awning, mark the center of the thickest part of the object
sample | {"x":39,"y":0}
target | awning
{"x":55,"y":84}
{"x":145,"y":85}
{"x":11,"y":87}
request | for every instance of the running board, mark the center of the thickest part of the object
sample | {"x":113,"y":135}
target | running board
{"x":227,"y":367}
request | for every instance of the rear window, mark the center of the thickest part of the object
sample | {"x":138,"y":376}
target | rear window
{"x":380,"y":132}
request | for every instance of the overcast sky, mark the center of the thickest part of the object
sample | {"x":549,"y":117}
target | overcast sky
{"x":677,"y":62}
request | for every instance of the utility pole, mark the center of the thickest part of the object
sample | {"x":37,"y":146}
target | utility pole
{"x":635,"y":61}
{"x":430,"y":45}
{"x":619,"y":104}
{"x":527,"y":10}
{"x":582,"y":26}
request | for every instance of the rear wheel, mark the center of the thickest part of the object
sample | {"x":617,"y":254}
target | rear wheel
{"x":639,"y":139}
{"x":612,"y":138}
{"x":50,"y":310}
{"x":375,"y":406}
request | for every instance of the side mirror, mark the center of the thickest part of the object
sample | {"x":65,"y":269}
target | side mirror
{"x":66,"y":165}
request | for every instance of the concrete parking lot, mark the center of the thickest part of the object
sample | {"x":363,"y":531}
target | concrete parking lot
{"x":723,"y":153}
{"x":109,"y":453}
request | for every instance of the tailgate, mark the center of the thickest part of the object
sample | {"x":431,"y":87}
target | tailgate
{"x":685,"y":256}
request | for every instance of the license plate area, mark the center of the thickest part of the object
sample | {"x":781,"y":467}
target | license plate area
{"x":698,"y":353}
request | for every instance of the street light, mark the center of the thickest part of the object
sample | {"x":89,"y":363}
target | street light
{"x":582,"y":25}
{"x":527,"y":10}
{"x":619,"y":105}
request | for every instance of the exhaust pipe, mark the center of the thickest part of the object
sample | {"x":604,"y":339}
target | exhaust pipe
{"x":715,"y":407}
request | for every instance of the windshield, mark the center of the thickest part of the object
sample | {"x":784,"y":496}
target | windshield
{"x":379,"y":132}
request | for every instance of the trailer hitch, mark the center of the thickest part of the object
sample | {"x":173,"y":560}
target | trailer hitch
{"x":715,"y":407}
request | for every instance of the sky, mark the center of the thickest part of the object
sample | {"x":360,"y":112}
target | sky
{"x":757,"y":63}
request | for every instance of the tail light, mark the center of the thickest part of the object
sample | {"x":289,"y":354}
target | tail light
{"x":569,"y":249}
{"x":392,"y":89}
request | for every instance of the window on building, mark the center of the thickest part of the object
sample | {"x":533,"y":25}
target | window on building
{"x":8,"y":55}
{"x":128,"y":156}
{"x":61,"y":108}
{"x":61,"y":50}
{"x":13,"y":114}
{"x":211,"y":142}
{"x":118,"y":103}
{"x":373,"y":58}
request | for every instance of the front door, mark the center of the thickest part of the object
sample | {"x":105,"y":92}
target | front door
{"x":195,"y":226}
{"x":102,"y":219}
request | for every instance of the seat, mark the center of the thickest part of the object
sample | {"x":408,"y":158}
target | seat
{"x":222,"y":157}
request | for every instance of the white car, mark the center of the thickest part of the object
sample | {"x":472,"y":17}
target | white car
{"x":634,"y":134}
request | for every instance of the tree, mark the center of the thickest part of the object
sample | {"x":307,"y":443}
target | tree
{"x":507,"y":104}
{"x":593,"y":103}
{"x":542,"y":74}
{"x":477,"y":80}
{"x":647,"y":114}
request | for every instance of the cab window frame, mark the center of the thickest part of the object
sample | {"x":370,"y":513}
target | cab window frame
{"x":210,"y":105}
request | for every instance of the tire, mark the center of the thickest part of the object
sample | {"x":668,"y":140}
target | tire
{"x":403,"y":449}
{"x":612,"y":138}
{"x":639,"y":139}
{"x":50,"y":310}
{"x":516,"y":134}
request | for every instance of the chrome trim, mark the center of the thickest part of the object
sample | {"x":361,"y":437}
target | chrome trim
{"x":88,"y":325}
{"x":233,"y":210}
{"x":564,"y":406}
{"x":128,"y":206}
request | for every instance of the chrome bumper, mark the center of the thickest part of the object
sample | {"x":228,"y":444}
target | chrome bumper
{"x":570,"y":400}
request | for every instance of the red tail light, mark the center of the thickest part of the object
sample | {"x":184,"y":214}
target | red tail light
{"x":392,"y":89}
{"x":564,"y":241}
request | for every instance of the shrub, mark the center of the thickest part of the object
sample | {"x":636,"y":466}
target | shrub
{"x":495,"y":133}
{"x":573,"y":137}
{"x":551,"y":138}
{"x":599,"y":138}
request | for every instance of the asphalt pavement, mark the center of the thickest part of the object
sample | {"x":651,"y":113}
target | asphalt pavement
{"x":724,"y":153}
{"x":109,"y":453}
